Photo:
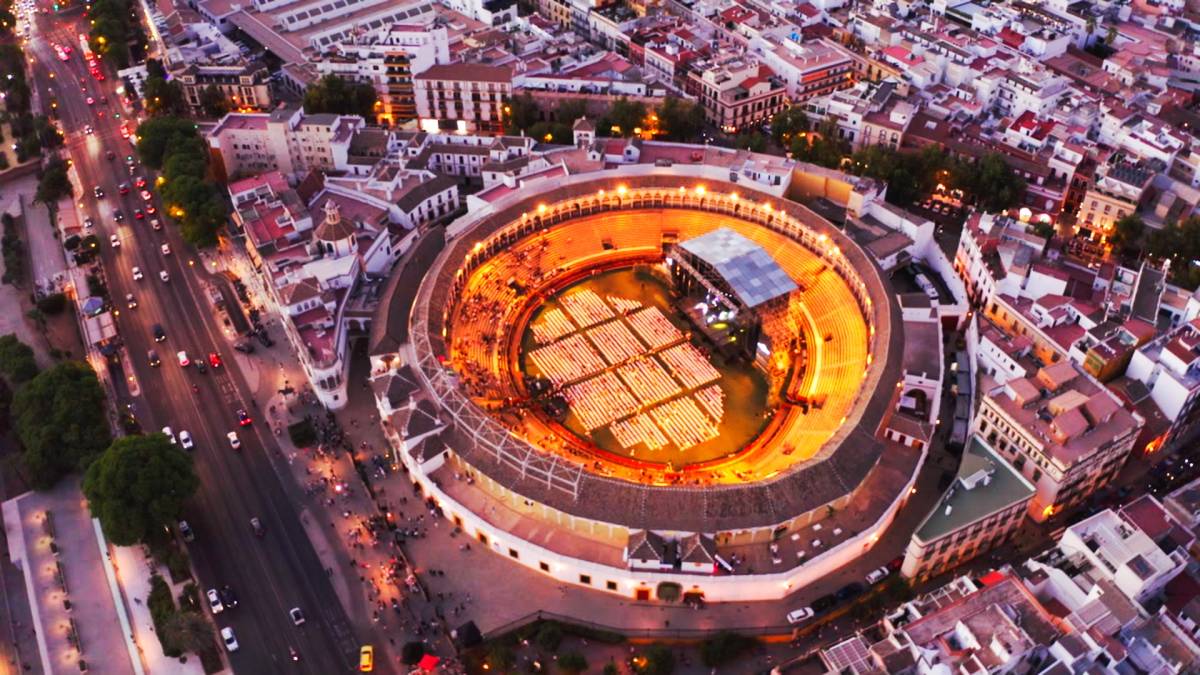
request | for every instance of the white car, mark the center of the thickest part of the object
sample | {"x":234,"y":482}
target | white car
{"x":798,"y":615}
{"x":114,"y":241}
{"x":162,"y":274}
{"x":876,"y":576}
{"x":229,"y":640}
{"x":185,"y":440}
{"x":234,"y":441}
{"x":166,"y":249}
{"x":183,"y":359}
{"x":214,"y":601}
{"x":297,"y":616}
{"x":137,"y":273}
{"x":169,"y":434}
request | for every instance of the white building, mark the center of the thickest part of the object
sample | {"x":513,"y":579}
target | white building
{"x":1124,"y":553}
{"x":1169,"y":366}
{"x":286,"y":140}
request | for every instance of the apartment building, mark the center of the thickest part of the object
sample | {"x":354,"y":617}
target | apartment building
{"x":1063,"y":431}
{"x":463,"y":97}
{"x":737,"y":93}
{"x":1118,"y":190}
{"x":809,"y":69}
{"x":1169,"y":366}
{"x":388,"y":61}
{"x":983,"y":507}
{"x":1118,"y":548}
{"x":245,"y":86}
{"x":286,"y":140}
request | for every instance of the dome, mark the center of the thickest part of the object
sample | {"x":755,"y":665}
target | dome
{"x":334,"y":227}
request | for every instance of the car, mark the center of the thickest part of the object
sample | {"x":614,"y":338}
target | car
{"x":150,"y":209}
{"x":849,"y":591}
{"x":244,"y":419}
{"x":104,"y":99}
{"x":159,"y":334}
{"x":366,"y":659}
{"x":877,"y":575}
{"x":228,"y":597}
{"x":139,"y":214}
{"x":185,"y":440}
{"x":128,"y":158}
{"x":98,"y":192}
{"x":140,"y":182}
{"x":114,"y":241}
{"x":234,"y":441}
{"x":155,"y":224}
{"x":165,"y":248}
{"x":169,"y":434}
{"x":214,"y":601}
{"x":110,"y":155}
{"x":152,"y":357}
{"x":227,"y":636}
{"x":88,"y":223}
{"x":214,"y":360}
{"x":257,"y":526}
{"x":798,"y":615}
{"x":297,"y":616}
{"x":130,"y":301}
{"x":183,"y":358}
{"x":137,"y":273}
{"x":162,"y":274}
{"x":200,"y":366}
{"x":87,"y":129}
{"x":146,"y":196}
{"x":118,"y":216}
{"x":186,"y":531}
{"x":91,"y":101}
{"x":244,"y":347}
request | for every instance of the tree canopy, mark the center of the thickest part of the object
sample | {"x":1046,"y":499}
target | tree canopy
{"x":16,"y":360}
{"x":53,"y":184}
{"x":59,"y":416}
{"x":138,"y":486}
{"x":212,"y":101}
{"x":1180,"y":243}
{"x":623,"y":117}
{"x":162,"y":97}
{"x":680,"y":120}
{"x":332,"y":94}
{"x":110,"y":30}
{"x":173,"y":145}
{"x":1127,"y":234}
{"x":787,"y":124}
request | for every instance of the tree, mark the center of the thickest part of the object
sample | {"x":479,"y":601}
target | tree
{"x":752,"y":141}
{"x":156,"y":136}
{"x":572,"y":662}
{"x":164,"y":97}
{"x":60,"y":419}
{"x":332,"y":94}
{"x":549,"y":636}
{"x":723,"y":648}
{"x":54,"y":184}
{"x":680,"y":120}
{"x":138,"y":486}
{"x":623,"y":117}
{"x":212,"y":101}
{"x":787,"y":124}
{"x":16,"y":361}
{"x":657,"y":660}
{"x":995,"y":186}
{"x":521,"y":113}
{"x":190,"y":631}
{"x":1127,"y":233}
{"x":822,"y":146}
{"x":1110,"y":36}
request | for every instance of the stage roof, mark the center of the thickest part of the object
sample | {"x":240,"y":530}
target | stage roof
{"x":748,"y":269}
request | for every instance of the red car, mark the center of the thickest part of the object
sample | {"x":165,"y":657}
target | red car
{"x":243,"y":418}
{"x":214,"y":359}
{"x":141,"y":183}
{"x":139,"y":215}
{"x":123,"y":188}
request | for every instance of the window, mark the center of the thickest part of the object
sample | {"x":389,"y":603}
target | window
{"x":610,"y":585}
{"x":512,"y":553}
{"x":545,"y":567}
{"x":585,"y":579}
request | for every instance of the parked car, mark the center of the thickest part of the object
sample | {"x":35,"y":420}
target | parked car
{"x":214,"y":601}
{"x":878,"y":575}
{"x":231,"y":643}
{"x":185,"y":530}
{"x":802,"y":614}
{"x":257,"y":526}
{"x":297,"y":616}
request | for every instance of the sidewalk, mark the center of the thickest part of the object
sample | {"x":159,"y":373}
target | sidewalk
{"x":134,"y":571}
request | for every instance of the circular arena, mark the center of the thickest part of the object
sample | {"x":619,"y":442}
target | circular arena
{"x":589,"y":402}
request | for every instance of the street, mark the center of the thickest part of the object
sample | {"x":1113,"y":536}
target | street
{"x":282,"y":570}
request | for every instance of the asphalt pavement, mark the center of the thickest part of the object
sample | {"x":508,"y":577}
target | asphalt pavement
{"x":270,"y":574}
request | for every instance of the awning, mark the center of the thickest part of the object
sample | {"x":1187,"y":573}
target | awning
{"x":428,"y":662}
